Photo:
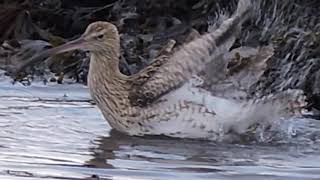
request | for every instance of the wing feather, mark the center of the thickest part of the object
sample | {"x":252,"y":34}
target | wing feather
{"x":190,"y":59}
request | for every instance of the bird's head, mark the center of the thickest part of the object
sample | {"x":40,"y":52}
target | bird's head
{"x":100,"y":38}
{"x":97,"y":38}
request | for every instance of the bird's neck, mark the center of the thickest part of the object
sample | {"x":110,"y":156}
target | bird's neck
{"x":106,"y":63}
{"x":108,"y":86}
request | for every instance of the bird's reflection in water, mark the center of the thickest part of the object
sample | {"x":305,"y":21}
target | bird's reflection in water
{"x":162,"y":156}
{"x":159,"y":149}
{"x":150,"y":156}
{"x":119,"y":150}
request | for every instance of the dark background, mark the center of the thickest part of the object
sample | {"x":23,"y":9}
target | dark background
{"x":292,"y":26}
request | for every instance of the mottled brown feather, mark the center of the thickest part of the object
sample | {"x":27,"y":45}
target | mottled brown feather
{"x":190,"y":59}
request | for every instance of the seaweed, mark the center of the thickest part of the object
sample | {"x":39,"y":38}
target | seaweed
{"x":292,"y":27}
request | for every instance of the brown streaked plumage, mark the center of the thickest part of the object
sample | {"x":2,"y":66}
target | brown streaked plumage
{"x":164,"y":98}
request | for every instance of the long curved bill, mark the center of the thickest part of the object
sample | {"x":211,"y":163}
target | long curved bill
{"x":69,"y":46}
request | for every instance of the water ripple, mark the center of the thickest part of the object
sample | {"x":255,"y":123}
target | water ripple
{"x":54,"y":132}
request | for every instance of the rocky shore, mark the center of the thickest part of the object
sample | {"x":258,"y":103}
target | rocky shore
{"x":291,"y":27}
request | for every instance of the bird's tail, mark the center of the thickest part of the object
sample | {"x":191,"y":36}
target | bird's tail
{"x":270,"y":109}
{"x":283,"y":104}
{"x":291,"y":102}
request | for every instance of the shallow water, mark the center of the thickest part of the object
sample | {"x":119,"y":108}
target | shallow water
{"x":54,"y":132}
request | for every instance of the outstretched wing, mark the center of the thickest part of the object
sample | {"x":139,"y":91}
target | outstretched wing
{"x":144,"y":75}
{"x":191,"y":59}
{"x":245,"y":65}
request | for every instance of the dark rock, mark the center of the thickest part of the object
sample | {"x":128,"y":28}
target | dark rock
{"x":291,"y":26}
{"x":293,"y":29}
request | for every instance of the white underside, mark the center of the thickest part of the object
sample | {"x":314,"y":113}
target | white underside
{"x":194,"y":121}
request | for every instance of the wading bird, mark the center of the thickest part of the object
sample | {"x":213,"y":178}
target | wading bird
{"x":164,"y":98}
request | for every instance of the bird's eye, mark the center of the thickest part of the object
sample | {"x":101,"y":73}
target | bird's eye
{"x":100,"y":36}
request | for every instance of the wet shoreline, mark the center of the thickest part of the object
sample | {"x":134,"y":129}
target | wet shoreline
{"x":69,"y":139}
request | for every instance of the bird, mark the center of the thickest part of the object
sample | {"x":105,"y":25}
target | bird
{"x":166,"y":97}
